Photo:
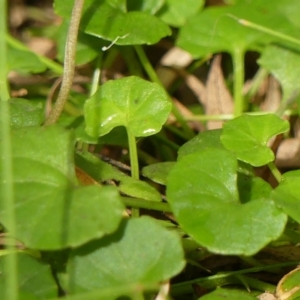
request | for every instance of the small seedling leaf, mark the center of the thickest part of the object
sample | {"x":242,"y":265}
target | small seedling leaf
{"x":202,"y":191}
{"x":141,"y":251}
{"x":248,"y":136}
{"x":141,"y":106}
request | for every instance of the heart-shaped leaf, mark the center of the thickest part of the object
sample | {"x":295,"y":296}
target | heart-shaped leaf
{"x":109,"y":20}
{"x":288,"y":73}
{"x":287,"y":194}
{"x":34,"y":278}
{"x":141,"y":251}
{"x":52,"y":211}
{"x":141,"y":106}
{"x":202,"y":191}
{"x":248,"y":136}
{"x":176,"y":13}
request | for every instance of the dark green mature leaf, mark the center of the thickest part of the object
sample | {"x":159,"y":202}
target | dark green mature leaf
{"x":177,"y":12}
{"x":286,"y":73}
{"x":248,"y":136}
{"x":139,"y":105}
{"x":141,"y":251}
{"x":25,"y":113}
{"x":52,"y":211}
{"x":109,"y":20}
{"x":217,"y":30}
{"x":202,"y":191}
{"x":287,"y":194}
{"x":35,"y":279}
{"x":223,"y":294}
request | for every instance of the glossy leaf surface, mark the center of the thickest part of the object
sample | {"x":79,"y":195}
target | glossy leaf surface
{"x":141,"y":251}
{"x":248,"y":136}
{"x":204,"y":198}
{"x":141,"y":106}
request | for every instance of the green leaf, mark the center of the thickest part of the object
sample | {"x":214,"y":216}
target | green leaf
{"x":141,"y":106}
{"x":202,"y":191}
{"x":248,"y":136}
{"x":221,"y":294}
{"x":204,"y":140}
{"x":176,"y":12}
{"x":102,"y":171}
{"x":288,"y":287}
{"x":52,"y":211}
{"x":109,"y":20}
{"x":24,"y":61}
{"x":216,"y":29}
{"x":35,"y":279}
{"x":87,"y":47}
{"x":141,"y":251}
{"x":288,"y":73}
{"x":25,"y":113}
{"x":149,"y":6}
{"x":287,"y":194}
{"x":158,"y":172}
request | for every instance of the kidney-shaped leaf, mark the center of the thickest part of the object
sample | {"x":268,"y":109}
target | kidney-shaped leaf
{"x":52,"y":212}
{"x":139,"y":105}
{"x":287,"y":194}
{"x":248,"y":136}
{"x":141,"y":251}
{"x":109,"y":20}
{"x":202,"y":191}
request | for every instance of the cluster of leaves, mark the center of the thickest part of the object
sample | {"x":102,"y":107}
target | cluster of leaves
{"x":84,"y":233}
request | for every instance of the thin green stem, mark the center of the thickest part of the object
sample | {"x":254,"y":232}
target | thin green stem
{"x":6,"y":164}
{"x":153,"y":76}
{"x":69,"y":63}
{"x":4,"y":92}
{"x":239,"y":73}
{"x":275,"y":171}
{"x":97,"y":74}
{"x":151,"y":205}
{"x":269,"y":31}
{"x":134,"y":163}
{"x":228,"y":278}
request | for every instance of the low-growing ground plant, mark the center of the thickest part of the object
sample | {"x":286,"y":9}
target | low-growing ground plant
{"x":111,"y":188}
